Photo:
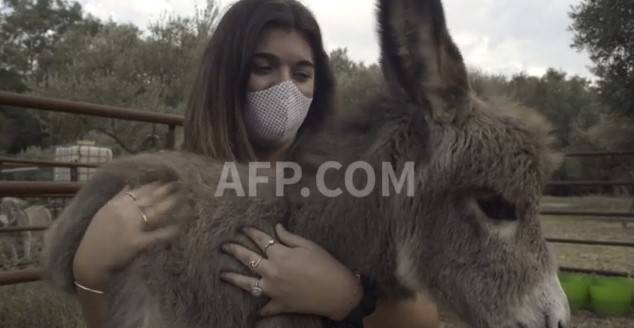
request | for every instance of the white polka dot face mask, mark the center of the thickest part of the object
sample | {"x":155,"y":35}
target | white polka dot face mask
{"x":274,"y":115}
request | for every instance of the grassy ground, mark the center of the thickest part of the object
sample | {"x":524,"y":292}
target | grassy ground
{"x":35,"y":305}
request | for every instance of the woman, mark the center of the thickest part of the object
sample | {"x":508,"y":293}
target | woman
{"x":264,"y":83}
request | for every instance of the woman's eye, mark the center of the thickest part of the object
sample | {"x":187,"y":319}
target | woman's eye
{"x":303,"y":76}
{"x":261,"y":68}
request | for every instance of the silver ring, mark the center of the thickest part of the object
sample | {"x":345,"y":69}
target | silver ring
{"x":143,"y":215}
{"x":254,"y":263}
{"x":131,"y":195}
{"x":269,"y":244}
{"x":256,"y":290}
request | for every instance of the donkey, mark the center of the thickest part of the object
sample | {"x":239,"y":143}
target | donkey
{"x":14,"y":214}
{"x":469,"y":235}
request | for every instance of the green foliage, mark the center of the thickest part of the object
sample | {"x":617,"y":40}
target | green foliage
{"x":81,"y":58}
{"x":31,"y":28}
{"x":36,"y":152}
{"x":605,"y":28}
{"x":570,"y":103}
{"x":20,"y":128}
{"x":581,"y":122}
{"x":120,"y":66}
{"x":356,"y":82}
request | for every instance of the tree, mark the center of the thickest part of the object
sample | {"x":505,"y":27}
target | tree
{"x":356,"y":82}
{"x":30,"y":31}
{"x":605,"y":28}
{"x":120,"y":65}
{"x":31,"y":28}
{"x":569,"y":102}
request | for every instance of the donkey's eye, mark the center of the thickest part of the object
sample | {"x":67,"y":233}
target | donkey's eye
{"x":496,"y":207}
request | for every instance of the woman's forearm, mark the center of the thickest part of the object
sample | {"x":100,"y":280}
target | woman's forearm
{"x":416,"y":313}
{"x":93,"y":308}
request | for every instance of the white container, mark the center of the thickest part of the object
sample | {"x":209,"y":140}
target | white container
{"x":85,"y":153}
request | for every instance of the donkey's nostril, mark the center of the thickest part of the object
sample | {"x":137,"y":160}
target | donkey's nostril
{"x":561,"y":325}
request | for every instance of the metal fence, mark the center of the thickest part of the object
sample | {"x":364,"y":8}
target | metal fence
{"x":68,"y":189}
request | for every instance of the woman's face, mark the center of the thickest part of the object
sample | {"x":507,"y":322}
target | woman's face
{"x":282,"y":55}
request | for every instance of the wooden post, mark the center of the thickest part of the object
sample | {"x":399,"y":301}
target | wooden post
{"x":171,"y":137}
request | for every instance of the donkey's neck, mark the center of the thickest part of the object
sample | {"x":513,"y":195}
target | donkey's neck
{"x":359,"y":231}
{"x":353,"y":230}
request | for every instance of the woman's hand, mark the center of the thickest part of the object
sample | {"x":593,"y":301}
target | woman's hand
{"x":298,"y":275}
{"x":119,"y":232}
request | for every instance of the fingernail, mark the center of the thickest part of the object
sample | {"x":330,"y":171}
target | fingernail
{"x":225,"y":247}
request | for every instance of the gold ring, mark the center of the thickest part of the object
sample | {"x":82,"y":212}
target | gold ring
{"x":269,"y":244}
{"x":254,"y":263}
{"x":145,"y":218}
{"x":143,"y":215}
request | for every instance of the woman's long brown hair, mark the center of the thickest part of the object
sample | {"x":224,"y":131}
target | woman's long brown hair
{"x":214,"y":123}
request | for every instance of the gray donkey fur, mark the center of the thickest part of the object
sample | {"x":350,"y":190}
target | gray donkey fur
{"x":14,"y":213}
{"x":470,"y":236}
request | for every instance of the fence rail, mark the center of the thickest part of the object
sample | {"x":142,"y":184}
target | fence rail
{"x":34,"y":162}
{"x":23,"y":229}
{"x":84,"y":108}
{"x":600,"y":154}
{"x":18,"y":277}
{"x":591,"y":242}
{"x":580,"y":183}
{"x":34,"y":188}
{"x":626,"y":216}
{"x":596,"y":272}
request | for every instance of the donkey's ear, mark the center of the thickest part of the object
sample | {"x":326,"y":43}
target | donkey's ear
{"x":418,"y":57}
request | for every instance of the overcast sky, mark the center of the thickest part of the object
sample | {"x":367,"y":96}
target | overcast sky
{"x":497,"y":36}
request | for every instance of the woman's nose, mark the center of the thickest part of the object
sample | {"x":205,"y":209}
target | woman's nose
{"x":285,"y":74}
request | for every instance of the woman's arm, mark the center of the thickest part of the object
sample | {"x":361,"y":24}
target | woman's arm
{"x":301,"y":277}
{"x":116,"y":235}
{"x":298,"y":275}
{"x":416,"y":313}
{"x":93,"y":308}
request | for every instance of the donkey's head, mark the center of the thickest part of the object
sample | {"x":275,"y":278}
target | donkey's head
{"x":477,"y":241}
{"x":10,"y":208}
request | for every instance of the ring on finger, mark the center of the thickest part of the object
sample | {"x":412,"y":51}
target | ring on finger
{"x":269,"y":244}
{"x":143,"y":215}
{"x":131,"y":195}
{"x":255,"y":263}
{"x":257,"y":289}
{"x":134,"y":198}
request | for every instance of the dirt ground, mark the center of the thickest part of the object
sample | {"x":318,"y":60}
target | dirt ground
{"x":619,"y":259}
